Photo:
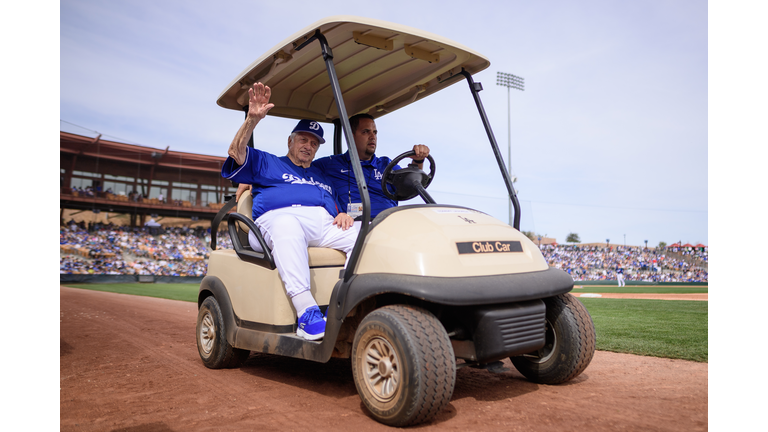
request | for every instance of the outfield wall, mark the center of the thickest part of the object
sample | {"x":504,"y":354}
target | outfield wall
{"x":80,"y":278}
{"x":638,"y":283}
{"x":107,"y":279}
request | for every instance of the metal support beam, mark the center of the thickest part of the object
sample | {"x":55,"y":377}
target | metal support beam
{"x":353,"y":156}
{"x":475,"y":89}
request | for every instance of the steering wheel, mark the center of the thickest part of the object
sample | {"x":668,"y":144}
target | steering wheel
{"x":404,"y":180}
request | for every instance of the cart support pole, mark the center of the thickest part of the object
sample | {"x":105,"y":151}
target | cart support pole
{"x":353,"y":156}
{"x":337,"y":136}
{"x":475,"y":88}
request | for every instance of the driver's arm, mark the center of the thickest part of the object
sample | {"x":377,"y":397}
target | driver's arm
{"x":422,"y":152}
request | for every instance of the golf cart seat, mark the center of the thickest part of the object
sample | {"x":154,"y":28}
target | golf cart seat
{"x":254,"y":286}
{"x":318,"y":257}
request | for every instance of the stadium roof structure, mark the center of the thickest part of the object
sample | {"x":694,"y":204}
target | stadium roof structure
{"x":136,"y":154}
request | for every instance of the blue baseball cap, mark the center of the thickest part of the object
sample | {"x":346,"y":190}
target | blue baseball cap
{"x":310,"y":126}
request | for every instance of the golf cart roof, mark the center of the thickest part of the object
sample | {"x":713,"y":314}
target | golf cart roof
{"x":381,"y":67}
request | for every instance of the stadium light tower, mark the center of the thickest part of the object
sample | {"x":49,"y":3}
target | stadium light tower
{"x":510,"y":82}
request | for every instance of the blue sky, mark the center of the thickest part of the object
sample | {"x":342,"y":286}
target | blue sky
{"x":609,"y":139}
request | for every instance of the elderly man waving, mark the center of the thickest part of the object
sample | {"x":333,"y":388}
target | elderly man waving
{"x":293,"y":205}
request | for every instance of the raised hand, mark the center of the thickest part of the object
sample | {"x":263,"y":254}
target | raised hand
{"x":258,"y":101}
{"x":258,"y":107}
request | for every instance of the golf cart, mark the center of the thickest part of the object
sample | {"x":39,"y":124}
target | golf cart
{"x":428,"y":287}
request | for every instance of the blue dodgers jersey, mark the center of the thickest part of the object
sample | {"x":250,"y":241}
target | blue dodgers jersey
{"x":278,"y":183}
{"x":338,"y":170}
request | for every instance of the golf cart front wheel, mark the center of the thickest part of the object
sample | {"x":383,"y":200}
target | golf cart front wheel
{"x":403,"y":365}
{"x":569,"y":346}
{"x":212,"y":344}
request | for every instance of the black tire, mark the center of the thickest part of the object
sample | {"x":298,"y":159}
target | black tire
{"x":403,"y":365}
{"x":212,"y":344}
{"x":570,"y":343}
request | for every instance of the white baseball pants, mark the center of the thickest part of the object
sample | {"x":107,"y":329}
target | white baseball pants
{"x":289,"y":231}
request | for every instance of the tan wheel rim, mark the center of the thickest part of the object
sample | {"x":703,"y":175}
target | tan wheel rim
{"x":545,"y":353}
{"x":381,"y":369}
{"x":207,"y":333}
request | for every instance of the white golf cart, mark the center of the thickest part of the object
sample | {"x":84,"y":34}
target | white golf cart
{"x":429,"y":287}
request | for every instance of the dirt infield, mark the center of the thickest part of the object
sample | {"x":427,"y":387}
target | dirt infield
{"x":678,"y":296}
{"x":130,"y":364}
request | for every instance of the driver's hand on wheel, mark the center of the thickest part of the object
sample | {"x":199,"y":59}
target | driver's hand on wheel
{"x":343,"y":221}
{"x":421,"y":151}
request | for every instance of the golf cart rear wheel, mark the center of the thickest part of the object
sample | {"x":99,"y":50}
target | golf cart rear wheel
{"x":569,"y":346}
{"x":212,"y":344}
{"x":403,"y":365}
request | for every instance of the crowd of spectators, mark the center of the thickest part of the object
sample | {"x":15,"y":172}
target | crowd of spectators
{"x":698,"y":254}
{"x":77,"y":265}
{"x":108,"y":249}
{"x":88,"y":191}
{"x":592,"y":263}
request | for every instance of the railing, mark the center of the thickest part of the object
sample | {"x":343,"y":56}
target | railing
{"x":110,"y":198}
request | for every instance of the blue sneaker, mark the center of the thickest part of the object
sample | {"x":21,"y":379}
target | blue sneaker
{"x":311,"y":324}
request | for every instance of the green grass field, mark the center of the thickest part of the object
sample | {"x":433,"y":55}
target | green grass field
{"x":184,"y":292}
{"x":659,"y":328}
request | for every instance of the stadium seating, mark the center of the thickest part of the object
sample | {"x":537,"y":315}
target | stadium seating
{"x":601,"y":263}
{"x":183,"y":252}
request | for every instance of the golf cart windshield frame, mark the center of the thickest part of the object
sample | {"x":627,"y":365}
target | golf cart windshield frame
{"x":474,"y":88}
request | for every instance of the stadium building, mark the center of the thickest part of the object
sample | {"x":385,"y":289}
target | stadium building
{"x":138,"y":183}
